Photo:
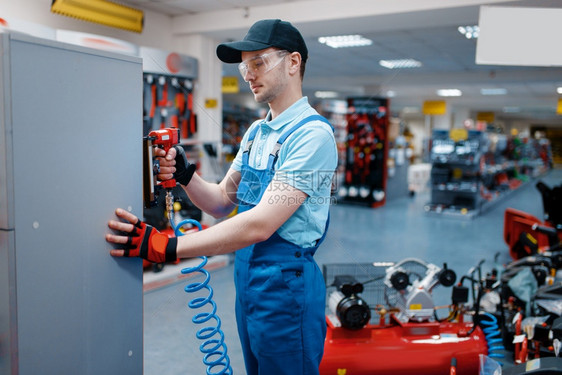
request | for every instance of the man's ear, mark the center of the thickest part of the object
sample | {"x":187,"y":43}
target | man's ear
{"x":295,"y":63}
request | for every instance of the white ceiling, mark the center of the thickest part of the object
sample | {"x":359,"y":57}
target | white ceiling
{"x":429,"y":36}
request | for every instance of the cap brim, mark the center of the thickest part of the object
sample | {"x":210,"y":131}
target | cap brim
{"x":232,"y":52}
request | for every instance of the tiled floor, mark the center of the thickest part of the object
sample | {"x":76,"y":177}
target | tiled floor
{"x":398,"y":230}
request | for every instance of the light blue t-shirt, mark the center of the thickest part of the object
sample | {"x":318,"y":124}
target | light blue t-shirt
{"x":307,"y":161}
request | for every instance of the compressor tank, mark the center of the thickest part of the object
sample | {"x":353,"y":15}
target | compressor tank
{"x":402,"y":348}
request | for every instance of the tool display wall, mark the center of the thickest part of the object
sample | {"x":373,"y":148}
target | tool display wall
{"x":168,"y":82}
{"x":168,"y":102}
{"x":236,"y":120}
{"x":168,"y":90}
{"x":366,"y":152}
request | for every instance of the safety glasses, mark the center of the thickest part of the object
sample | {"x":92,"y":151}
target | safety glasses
{"x":262,"y":63}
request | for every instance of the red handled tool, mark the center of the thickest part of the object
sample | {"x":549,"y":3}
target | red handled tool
{"x":153,"y":100}
{"x":165,"y":139}
{"x":192,"y":120}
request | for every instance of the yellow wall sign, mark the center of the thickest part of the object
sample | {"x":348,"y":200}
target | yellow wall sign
{"x":488,"y":117}
{"x":230,"y":85}
{"x":434,"y":107}
{"x":211,"y":103}
{"x":559,"y":107}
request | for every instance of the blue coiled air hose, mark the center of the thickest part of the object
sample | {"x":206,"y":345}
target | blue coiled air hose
{"x":214,"y":357}
{"x":492,"y":334}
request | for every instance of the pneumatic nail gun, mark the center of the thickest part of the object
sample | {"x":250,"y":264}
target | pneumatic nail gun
{"x":165,"y":139}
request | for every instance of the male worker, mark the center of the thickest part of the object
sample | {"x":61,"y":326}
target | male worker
{"x":281,"y":181}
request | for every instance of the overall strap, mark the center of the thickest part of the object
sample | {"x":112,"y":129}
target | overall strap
{"x":274,"y":155}
{"x":246,"y":154}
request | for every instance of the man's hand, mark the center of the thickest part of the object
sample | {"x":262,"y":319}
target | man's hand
{"x":140,"y":239}
{"x":174,"y":164}
{"x":167,"y":163}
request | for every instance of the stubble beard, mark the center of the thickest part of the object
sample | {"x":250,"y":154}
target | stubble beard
{"x":278,"y":84}
{"x":268,"y":95}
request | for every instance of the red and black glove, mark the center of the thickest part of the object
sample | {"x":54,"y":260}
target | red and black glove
{"x":146,"y":242}
{"x":184,"y":169}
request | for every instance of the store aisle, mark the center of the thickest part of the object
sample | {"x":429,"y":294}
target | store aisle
{"x":398,"y":230}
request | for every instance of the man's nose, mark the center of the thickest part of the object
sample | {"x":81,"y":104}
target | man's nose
{"x":248,"y":75}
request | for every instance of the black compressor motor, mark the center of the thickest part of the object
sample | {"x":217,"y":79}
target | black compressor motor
{"x":346,"y":304}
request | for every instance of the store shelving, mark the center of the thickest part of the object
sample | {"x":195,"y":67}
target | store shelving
{"x":472,"y":170}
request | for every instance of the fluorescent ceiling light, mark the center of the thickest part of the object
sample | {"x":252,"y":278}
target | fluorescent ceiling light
{"x":342,"y":41}
{"x":326,"y":94}
{"x":103,"y":12}
{"x":400,"y":64}
{"x":390,"y":94}
{"x":449,"y":92}
{"x":497,"y":91}
{"x":559,"y":90}
{"x":470,"y":32}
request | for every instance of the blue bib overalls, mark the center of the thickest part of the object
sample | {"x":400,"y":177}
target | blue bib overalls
{"x":280,"y":291}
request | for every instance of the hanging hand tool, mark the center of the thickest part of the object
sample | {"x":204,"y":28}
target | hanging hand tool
{"x":163,"y":117}
{"x":162,"y":92}
{"x":153,"y":95}
{"x":173,"y":108}
{"x":165,"y":139}
{"x":174,"y":118}
{"x":190,"y":115}
{"x":181,"y":106}
{"x":149,"y":102}
{"x":169,"y":118}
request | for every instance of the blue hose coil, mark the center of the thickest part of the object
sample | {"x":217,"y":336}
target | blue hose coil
{"x":492,"y":334}
{"x":214,"y":357}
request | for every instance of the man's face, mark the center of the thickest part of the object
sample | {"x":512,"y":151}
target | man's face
{"x":265,"y":71}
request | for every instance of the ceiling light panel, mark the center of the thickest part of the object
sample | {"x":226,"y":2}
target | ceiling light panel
{"x":326,"y":94}
{"x":449,"y":92}
{"x":345,"y":41}
{"x":470,"y":32}
{"x":400,"y":64}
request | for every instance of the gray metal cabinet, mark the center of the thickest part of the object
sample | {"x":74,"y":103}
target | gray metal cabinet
{"x":70,"y":153}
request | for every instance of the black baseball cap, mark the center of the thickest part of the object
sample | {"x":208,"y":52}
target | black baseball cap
{"x":264,"y":34}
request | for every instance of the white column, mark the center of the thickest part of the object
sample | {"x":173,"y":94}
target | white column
{"x":442,"y":121}
{"x":460,"y":115}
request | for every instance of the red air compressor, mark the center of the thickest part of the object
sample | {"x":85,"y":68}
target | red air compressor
{"x":526,"y":234}
{"x":402,"y":336}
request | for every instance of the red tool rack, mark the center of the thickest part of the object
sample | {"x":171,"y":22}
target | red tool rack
{"x":366,"y":152}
